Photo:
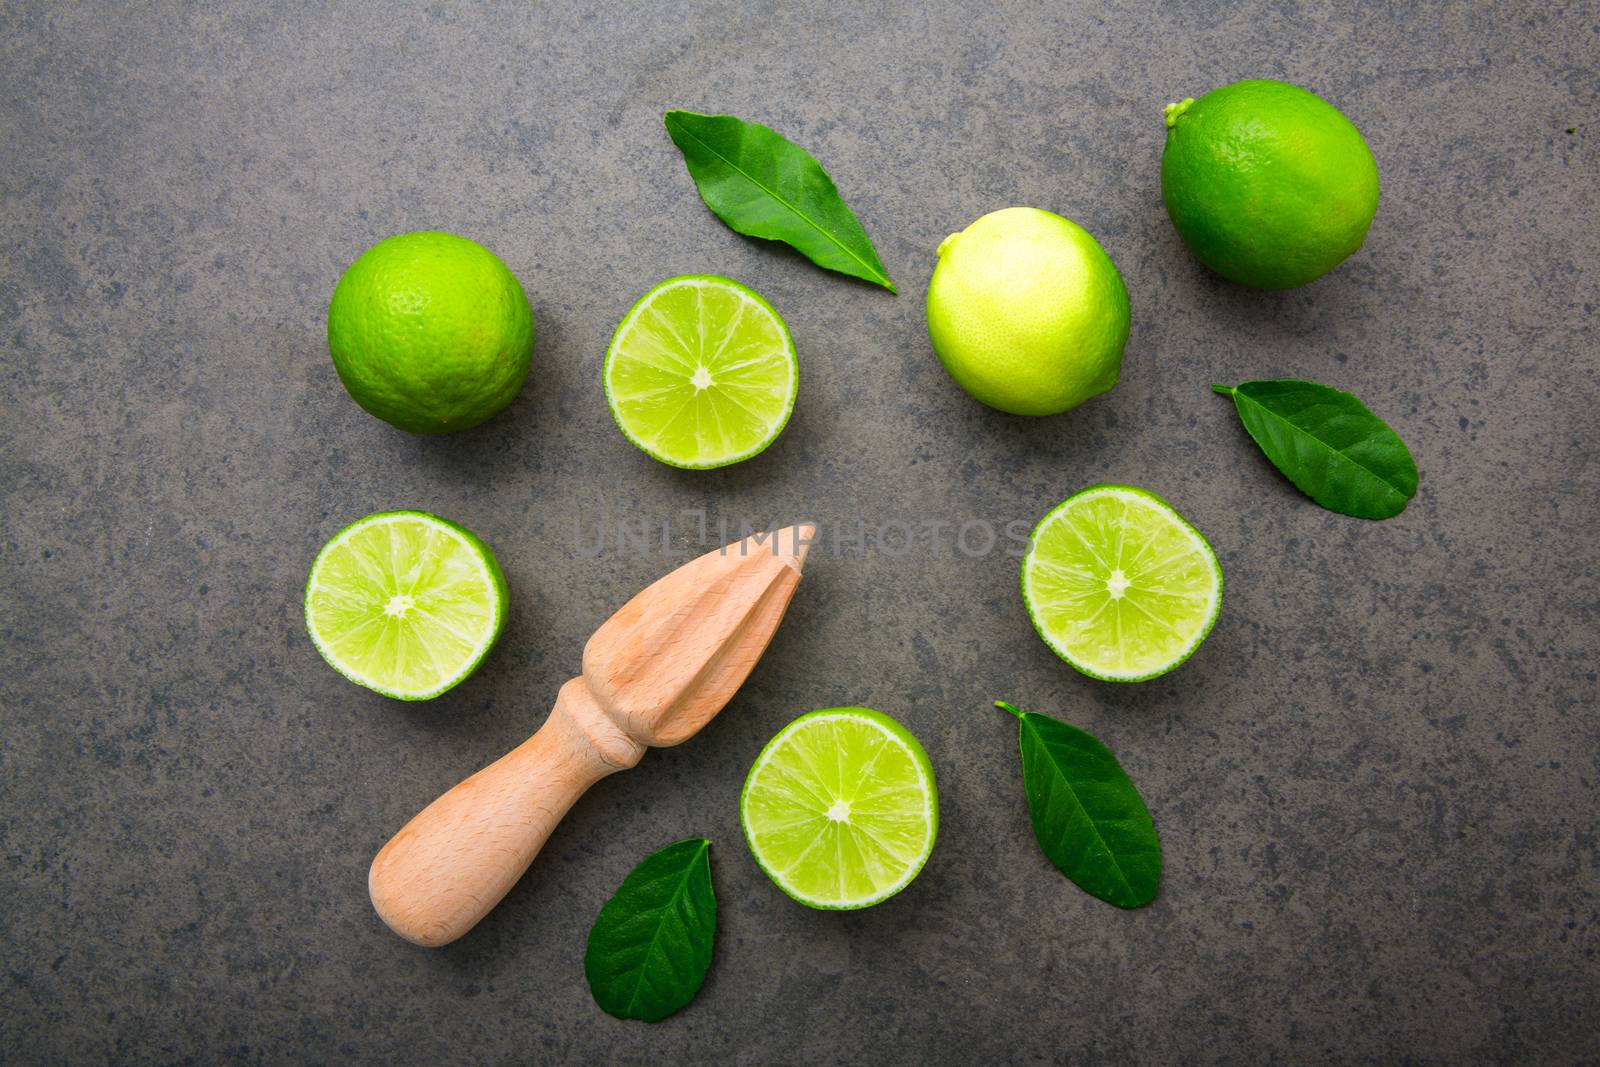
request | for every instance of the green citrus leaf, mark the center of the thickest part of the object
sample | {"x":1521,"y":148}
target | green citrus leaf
{"x":651,"y":946}
{"x":764,"y":185}
{"x":1087,"y":815}
{"x":1329,"y":445}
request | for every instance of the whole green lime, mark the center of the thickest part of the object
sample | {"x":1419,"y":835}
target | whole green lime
{"x":1267,"y":183}
{"x":430,"y":332}
{"x":1027,"y":312}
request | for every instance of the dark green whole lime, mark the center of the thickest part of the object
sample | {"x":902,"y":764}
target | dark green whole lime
{"x":1267,"y":183}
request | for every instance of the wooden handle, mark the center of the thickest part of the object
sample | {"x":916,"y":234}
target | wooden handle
{"x":448,"y":866}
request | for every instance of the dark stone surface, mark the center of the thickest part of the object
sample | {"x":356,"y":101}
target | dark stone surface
{"x":1376,"y":783}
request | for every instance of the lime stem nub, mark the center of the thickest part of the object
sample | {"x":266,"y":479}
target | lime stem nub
{"x":1174,"y":112}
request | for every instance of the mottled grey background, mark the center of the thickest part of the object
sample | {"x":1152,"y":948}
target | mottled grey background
{"x":1375,"y":783}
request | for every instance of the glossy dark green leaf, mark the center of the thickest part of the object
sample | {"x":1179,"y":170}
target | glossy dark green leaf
{"x":651,"y":946}
{"x":1087,"y":815}
{"x":1329,"y":445}
{"x":764,"y":185}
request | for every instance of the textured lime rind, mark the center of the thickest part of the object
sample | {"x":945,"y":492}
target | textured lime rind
{"x":755,"y":783}
{"x":472,"y":548}
{"x":1027,"y":312}
{"x":655,"y":353}
{"x":430,"y":332}
{"x":1158,"y":510}
{"x":1268,"y":184}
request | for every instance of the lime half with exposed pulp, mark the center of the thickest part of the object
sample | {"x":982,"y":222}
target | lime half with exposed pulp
{"x":1119,"y":584}
{"x":405,"y":603}
{"x":701,"y":372}
{"x":840,"y":809}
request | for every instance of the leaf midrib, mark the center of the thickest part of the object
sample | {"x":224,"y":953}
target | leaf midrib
{"x":876,"y":273}
{"x":1094,"y":824}
{"x":1387,"y":484}
{"x":655,"y":936}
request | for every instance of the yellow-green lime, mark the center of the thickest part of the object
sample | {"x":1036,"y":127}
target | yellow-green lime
{"x":1027,"y":312}
{"x":405,"y":603}
{"x":1267,"y":183}
{"x":1119,"y":584}
{"x":840,"y":809}
{"x":430,"y":332}
{"x":701,"y":372}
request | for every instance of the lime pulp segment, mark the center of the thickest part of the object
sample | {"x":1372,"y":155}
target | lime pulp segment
{"x":701,"y":372}
{"x":840,"y":809}
{"x":405,"y":603}
{"x":1119,"y":584}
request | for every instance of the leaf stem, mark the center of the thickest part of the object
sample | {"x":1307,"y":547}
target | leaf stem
{"x":1003,"y":706}
{"x":1225,"y":390}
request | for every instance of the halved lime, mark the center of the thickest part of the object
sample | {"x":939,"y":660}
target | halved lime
{"x":405,"y":603}
{"x":1119,"y":584}
{"x":840,"y":808}
{"x":701,"y":372}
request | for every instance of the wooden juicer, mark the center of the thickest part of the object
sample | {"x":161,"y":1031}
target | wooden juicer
{"x":653,"y":675}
